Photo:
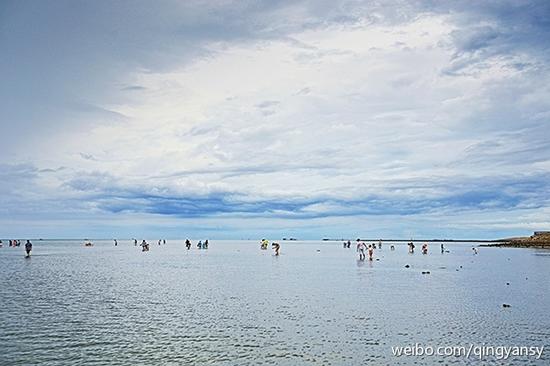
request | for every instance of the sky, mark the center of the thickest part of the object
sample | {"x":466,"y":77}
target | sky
{"x":250,"y":119}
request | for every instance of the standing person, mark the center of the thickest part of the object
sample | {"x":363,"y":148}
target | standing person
{"x":411,"y":247}
{"x":116,"y":243}
{"x":442,"y":248}
{"x":205,"y":245}
{"x":187,"y":244}
{"x":28,"y":248}
{"x":163,"y":241}
{"x":380,"y":244}
{"x":199,"y":244}
{"x":1,"y":245}
{"x":425,"y":248}
{"x":361,"y":249}
{"x":135,"y":242}
{"x":276,"y":247}
{"x":159,"y":241}
{"x":371,"y":251}
{"x":349,"y":244}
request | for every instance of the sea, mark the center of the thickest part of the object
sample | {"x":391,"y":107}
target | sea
{"x":235,"y":304}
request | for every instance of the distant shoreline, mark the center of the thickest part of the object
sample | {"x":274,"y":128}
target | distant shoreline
{"x":540,"y":239}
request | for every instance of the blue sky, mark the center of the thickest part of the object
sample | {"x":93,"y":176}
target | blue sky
{"x":279,"y":118}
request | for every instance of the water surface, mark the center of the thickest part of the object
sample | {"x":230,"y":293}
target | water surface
{"x":234,"y":304}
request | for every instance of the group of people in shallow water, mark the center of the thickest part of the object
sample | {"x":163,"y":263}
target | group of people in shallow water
{"x":144,"y":245}
{"x":424,"y":248}
{"x":410,"y":245}
{"x":12,"y":243}
{"x":17,"y":243}
{"x":362,"y":248}
{"x":200,"y":244}
{"x":264,"y":244}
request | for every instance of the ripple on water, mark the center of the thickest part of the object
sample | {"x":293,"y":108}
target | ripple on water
{"x":119,"y":306}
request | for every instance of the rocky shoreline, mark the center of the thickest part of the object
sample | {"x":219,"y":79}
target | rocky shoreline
{"x":537,"y":240}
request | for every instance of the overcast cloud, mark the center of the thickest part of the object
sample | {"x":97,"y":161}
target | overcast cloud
{"x":278,"y":118}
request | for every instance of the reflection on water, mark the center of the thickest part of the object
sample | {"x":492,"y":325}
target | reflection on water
{"x":234,"y":304}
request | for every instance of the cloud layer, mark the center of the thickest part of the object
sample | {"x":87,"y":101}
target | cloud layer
{"x":235,"y":119}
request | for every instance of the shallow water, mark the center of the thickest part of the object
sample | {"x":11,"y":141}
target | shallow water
{"x":234,"y":304}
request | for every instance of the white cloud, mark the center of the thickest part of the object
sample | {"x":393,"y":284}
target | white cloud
{"x":331,"y":118}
